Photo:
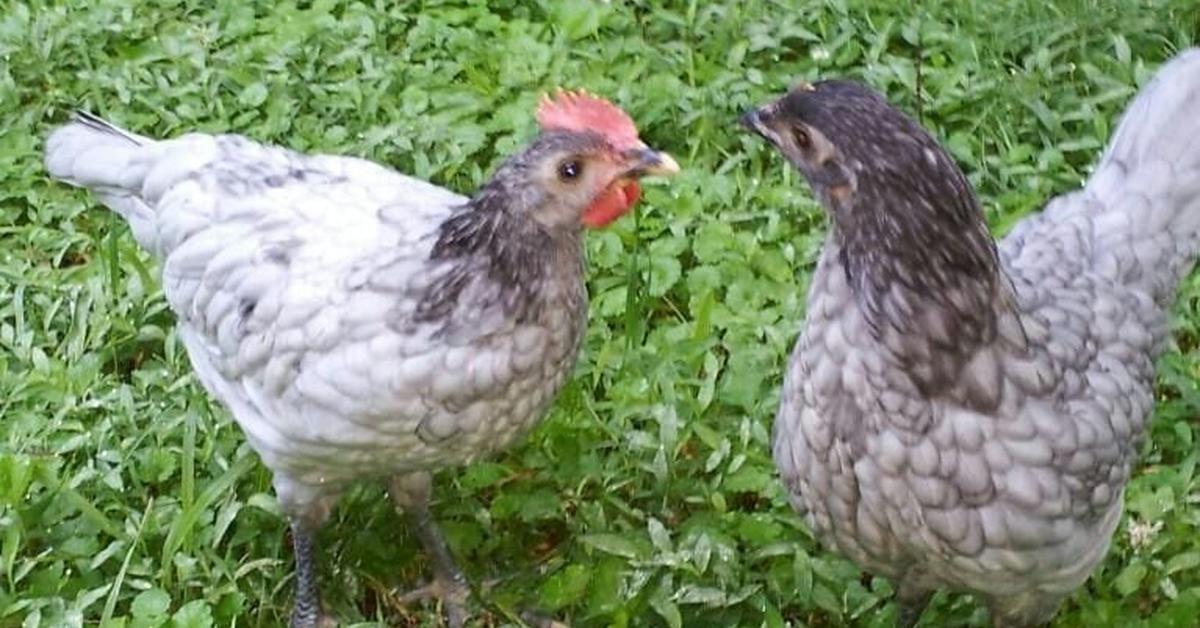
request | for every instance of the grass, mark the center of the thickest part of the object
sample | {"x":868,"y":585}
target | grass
{"x":647,"y":498}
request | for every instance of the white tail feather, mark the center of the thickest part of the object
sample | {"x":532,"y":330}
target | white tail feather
{"x":92,"y":153}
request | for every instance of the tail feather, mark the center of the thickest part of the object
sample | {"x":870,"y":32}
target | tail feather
{"x":1162,"y":122}
{"x":1148,"y":182}
{"x":93,"y":153}
{"x":97,"y":123}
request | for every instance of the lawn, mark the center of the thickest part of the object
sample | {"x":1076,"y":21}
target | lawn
{"x":647,"y":497}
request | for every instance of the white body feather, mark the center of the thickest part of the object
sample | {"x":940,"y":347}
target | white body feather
{"x":295,"y":280}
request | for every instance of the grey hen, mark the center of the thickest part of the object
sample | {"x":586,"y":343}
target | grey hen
{"x":962,"y":415}
{"x":358,"y":322}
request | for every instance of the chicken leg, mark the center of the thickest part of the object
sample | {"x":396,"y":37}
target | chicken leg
{"x":307,"y":508}
{"x":307,"y":610}
{"x":411,"y":494}
{"x":912,"y":604}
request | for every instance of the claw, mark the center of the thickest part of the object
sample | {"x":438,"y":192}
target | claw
{"x":436,"y":590}
{"x":538,"y":620}
{"x":452,"y":595}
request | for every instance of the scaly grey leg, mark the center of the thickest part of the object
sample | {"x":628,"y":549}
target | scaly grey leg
{"x":307,"y":509}
{"x":411,"y":493}
{"x":912,"y":603}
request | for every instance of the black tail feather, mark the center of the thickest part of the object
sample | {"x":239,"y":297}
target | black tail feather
{"x":93,"y":121}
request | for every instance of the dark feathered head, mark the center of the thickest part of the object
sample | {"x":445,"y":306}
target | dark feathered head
{"x":857,"y":150}
{"x":909,"y":232}
{"x":889,"y":186}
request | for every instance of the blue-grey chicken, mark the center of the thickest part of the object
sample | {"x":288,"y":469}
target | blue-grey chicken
{"x":964,"y":415}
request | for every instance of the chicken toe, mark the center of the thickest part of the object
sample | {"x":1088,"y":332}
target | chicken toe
{"x":452,"y":595}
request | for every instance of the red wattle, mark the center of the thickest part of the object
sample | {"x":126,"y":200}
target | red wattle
{"x":611,"y":204}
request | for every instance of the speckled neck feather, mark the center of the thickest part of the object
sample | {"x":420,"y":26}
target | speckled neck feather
{"x":513,"y":262}
{"x":913,"y":242}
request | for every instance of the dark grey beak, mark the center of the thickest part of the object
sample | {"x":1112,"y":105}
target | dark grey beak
{"x":647,"y":161}
{"x":752,"y":121}
{"x":749,"y":120}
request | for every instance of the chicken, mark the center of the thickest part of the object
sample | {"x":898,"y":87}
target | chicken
{"x":962,"y":415}
{"x":357,"y":322}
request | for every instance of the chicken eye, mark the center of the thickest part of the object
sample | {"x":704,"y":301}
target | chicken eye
{"x":802,"y":138}
{"x":570,"y":170}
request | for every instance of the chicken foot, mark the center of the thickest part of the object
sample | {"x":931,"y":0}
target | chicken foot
{"x":411,"y":493}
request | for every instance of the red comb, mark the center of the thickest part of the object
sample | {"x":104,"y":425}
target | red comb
{"x":581,"y":111}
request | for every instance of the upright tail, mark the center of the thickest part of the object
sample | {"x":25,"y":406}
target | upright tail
{"x":92,"y":153}
{"x":1148,"y":183}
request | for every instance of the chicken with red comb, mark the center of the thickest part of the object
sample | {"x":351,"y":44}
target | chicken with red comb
{"x":358,"y":322}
